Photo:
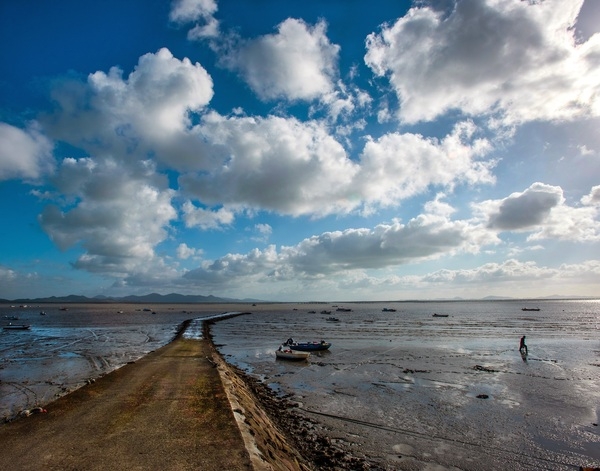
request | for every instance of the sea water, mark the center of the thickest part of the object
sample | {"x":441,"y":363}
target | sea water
{"x":421,"y":392}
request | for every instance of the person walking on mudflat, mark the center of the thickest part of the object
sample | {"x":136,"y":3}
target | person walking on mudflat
{"x":522,"y":346}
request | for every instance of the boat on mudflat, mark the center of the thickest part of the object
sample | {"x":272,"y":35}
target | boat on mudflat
{"x":388,"y":309}
{"x":439,"y":315}
{"x":17,"y":327}
{"x":285,"y":353}
{"x":307,"y":346}
{"x":530,"y":309}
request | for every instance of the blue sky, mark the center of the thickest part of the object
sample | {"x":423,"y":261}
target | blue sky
{"x":295,"y":151}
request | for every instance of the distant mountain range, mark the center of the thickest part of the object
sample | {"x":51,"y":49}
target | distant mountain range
{"x":172,"y":298}
{"x":175,"y":298}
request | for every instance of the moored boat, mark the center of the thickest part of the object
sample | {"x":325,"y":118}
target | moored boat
{"x":332,"y":319}
{"x":307,"y":346}
{"x":285,"y":353}
{"x":439,"y":315}
{"x":17,"y":327}
{"x":530,"y":309}
{"x":388,"y":309}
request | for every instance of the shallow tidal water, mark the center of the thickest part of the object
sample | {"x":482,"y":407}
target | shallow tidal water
{"x":418,"y":392}
{"x":64,"y":349}
{"x":409,"y":390}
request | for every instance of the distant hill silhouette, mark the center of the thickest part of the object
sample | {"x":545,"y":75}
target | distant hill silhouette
{"x":172,"y":298}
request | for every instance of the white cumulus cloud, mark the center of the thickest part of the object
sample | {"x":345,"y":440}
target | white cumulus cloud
{"x":200,"y":12}
{"x":146,"y":112}
{"x":518,"y":58}
{"x":298,"y":168}
{"x":297,"y":63}
{"x":116,"y":217}
{"x":24,"y":153}
{"x":541,"y":210}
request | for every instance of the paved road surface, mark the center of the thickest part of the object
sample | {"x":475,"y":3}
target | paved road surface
{"x":167,"y":411}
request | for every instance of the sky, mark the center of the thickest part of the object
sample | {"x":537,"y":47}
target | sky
{"x":300,"y":151}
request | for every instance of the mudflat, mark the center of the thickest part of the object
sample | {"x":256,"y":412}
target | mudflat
{"x":166,"y":411}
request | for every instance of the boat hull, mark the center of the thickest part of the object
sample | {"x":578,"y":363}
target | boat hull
{"x":310,"y":346}
{"x":17,"y":327}
{"x":291,"y":355}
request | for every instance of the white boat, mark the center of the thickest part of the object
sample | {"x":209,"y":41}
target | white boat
{"x":286,"y":353}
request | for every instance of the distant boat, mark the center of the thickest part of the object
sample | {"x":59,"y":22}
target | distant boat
{"x":286,"y":353}
{"x":333,"y":319}
{"x":439,"y":315}
{"x":42,"y":313}
{"x":17,"y":327}
{"x":530,"y":309}
{"x":325,"y":312}
{"x":343,"y":309}
{"x":312,"y":312}
{"x":387,"y":309}
{"x":64,"y":309}
{"x":12,"y":318}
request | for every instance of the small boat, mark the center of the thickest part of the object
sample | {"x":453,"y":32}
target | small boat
{"x":12,"y":318}
{"x":439,"y":315}
{"x":312,"y":312}
{"x":344,"y":309}
{"x":530,"y":309}
{"x":17,"y":327}
{"x":63,"y":309}
{"x":325,"y":312}
{"x":42,"y":313}
{"x":388,"y":309}
{"x":307,"y":346}
{"x":286,"y":353}
{"x":333,"y":319}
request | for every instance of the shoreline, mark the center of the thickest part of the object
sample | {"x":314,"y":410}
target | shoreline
{"x":264,"y":418}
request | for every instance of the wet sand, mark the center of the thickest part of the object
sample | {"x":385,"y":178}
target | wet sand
{"x":418,"y":393}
